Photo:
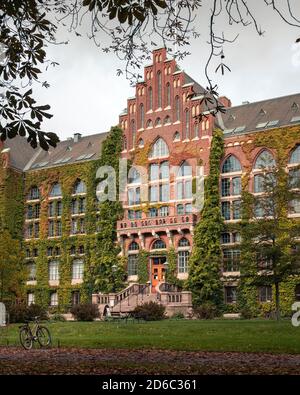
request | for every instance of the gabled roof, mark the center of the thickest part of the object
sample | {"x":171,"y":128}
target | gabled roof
{"x":262,"y":115}
{"x":23,"y":157}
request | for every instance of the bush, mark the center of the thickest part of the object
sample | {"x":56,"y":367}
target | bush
{"x":85,"y":312}
{"x":21,"y":313}
{"x":206,"y":311}
{"x":58,"y":317}
{"x":178,"y":316}
{"x":149,"y":311}
{"x":246,"y":313}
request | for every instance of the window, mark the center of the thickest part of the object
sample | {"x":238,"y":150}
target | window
{"x":183,"y":242}
{"x":264,"y":263}
{"x":153,"y":192}
{"x":134,"y":176}
{"x":164,"y":193}
{"x":177,"y":109}
{"x":185,"y":170}
{"x":231,"y":164}
{"x":81,"y":250}
{"x":79,"y":187}
{"x":236,"y":209}
{"x":159,"y":149}
{"x":265,"y":294}
{"x":77,"y":269}
{"x":30,"y":298}
{"x":81,"y":205}
{"x":133,"y":246}
{"x":34,"y":193}
{"x":134,"y":214}
{"x":73,"y":250}
{"x":225,"y":238}
{"x":196,"y":129}
{"x":158,"y":122}
{"x":163,"y":211}
{"x":75,"y":298}
{"x":132,"y":264}
{"x":258,"y":183}
{"x":133,"y":134}
{"x":294,"y":178}
{"x":149,"y":124}
{"x":176,"y":136}
{"x":59,"y":208}
{"x":231,"y":260}
{"x":295,"y":157}
{"x":31,"y":271}
{"x":184,"y":186}
{"x":226,"y":210}
{"x":77,"y":226}
{"x":168,"y":94}
{"x":183,"y":259}
{"x":51,"y":229}
{"x":141,"y":143}
{"x":134,"y":196}
{"x":142,"y":117}
{"x":167,"y":120}
{"x":164,"y":170}
{"x":230,"y":295}
{"x":295,"y":206}
{"x":159,"y":102}
{"x":54,"y":299}
{"x":150,"y":98}
{"x":225,"y":187}
{"x":236,"y":186}
{"x":51,"y":209}
{"x":180,"y":209}
{"x":58,"y":228}
{"x":56,"y":190}
{"x":35,"y":252}
{"x":53,"y":270}
{"x":187,"y":124}
{"x":264,"y":160}
{"x":153,"y":212}
{"x":158,"y":244}
{"x":188,"y":208}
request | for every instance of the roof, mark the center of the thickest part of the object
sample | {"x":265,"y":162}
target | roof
{"x":24,"y":157}
{"x":262,"y":115}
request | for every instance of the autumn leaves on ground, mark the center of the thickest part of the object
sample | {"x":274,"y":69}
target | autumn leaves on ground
{"x":166,"y":347}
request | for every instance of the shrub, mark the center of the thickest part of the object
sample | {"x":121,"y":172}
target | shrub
{"x":246,"y":313}
{"x":85,"y":312}
{"x":22,"y":313}
{"x":149,"y":311}
{"x":178,"y":316}
{"x":58,"y":317}
{"x":206,"y":311}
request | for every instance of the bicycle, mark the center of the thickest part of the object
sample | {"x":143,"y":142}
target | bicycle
{"x":37,"y":333}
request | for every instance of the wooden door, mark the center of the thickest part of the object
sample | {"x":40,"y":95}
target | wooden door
{"x":157,"y":271}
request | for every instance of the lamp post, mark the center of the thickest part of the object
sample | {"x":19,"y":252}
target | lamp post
{"x":114,"y":269}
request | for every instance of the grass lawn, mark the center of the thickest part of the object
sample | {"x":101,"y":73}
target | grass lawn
{"x":187,"y":335}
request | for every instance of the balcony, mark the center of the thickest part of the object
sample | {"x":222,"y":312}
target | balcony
{"x":147,"y":225}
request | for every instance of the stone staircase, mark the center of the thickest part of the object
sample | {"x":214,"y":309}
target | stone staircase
{"x":122,"y":303}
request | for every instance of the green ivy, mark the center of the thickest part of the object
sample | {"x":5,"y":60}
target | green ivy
{"x":205,"y":261}
{"x":142,"y":267}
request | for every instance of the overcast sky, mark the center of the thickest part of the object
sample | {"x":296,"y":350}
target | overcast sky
{"x":87,"y":96}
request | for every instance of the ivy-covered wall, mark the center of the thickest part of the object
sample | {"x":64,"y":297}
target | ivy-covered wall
{"x":101,"y":251}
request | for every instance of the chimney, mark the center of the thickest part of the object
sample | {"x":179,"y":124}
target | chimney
{"x":77,"y":137}
{"x":225,"y":101}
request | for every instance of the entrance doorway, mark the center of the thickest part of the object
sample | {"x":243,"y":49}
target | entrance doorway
{"x":157,"y":271}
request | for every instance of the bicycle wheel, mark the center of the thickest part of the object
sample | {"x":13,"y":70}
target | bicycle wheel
{"x":43,"y":336}
{"x":25,"y":338}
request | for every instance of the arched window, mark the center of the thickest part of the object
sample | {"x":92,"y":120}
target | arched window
{"x":34,"y":193}
{"x":187,"y":124}
{"x":56,"y":190}
{"x":149,"y":124}
{"x":183,"y":242}
{"x":134,"y":176}
{"x":141,"y":143}
{"x":158,"y":122}
{"x":176,"y":136}
{"x":177,"y":109}
{"x":142,"y":115}
{"x":168,"y":94}
{"x":167,"y":120}
{"x":79,"y":187}
{"x":124,"y":143}
{"x":184,"y":170}
{"x":159,"y":149}
{"x":295,"y":157}
{"x":133,"y":246}
{"x":158,"y":245}
{"x":159,"y":104}
{"x":133,"y":133}
{"x":264,"y":160}
{"x":150,"y":98}
{"x":231,"y":165}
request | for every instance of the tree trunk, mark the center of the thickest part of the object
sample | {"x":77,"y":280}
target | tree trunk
{"x":277,"y":301}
